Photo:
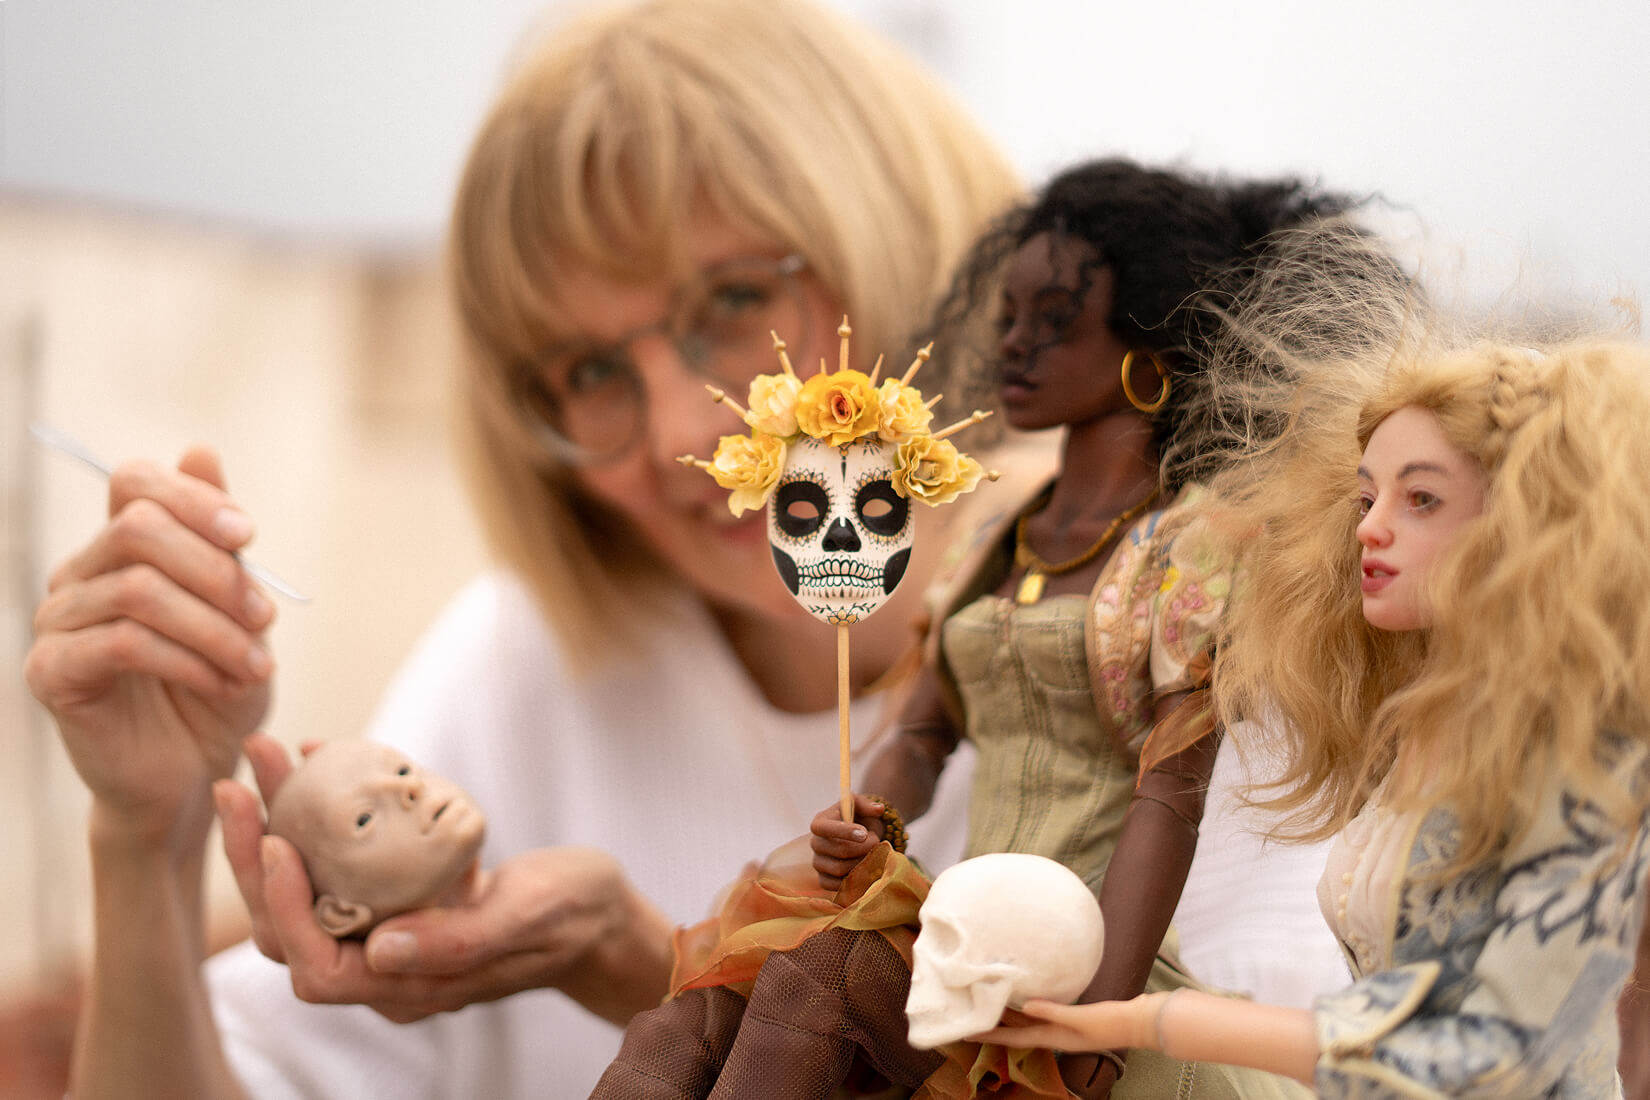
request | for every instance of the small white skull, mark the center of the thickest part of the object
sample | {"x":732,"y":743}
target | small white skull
{"x":997,"y":930}
{"x":841,"y":535}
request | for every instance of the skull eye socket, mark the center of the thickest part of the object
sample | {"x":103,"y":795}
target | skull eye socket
{"x":941,"y":938}
{"x":881,"y":509}
{"x":800,"y":507}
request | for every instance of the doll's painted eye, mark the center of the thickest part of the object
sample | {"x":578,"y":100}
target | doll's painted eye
{"x":363,"y":819}
{"x":405,"y":769}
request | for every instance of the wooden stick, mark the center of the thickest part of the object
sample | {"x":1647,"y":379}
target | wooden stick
{"x":932,"y":401}
{"x":972,"y":418}
{"x":779,"y":346}
{"x":843,"y":331}
{"x":876,"y":370}
{"x":689,"y":460}
{"x":842,"y":721}
{"x":720,"y":396}
{"x":916,"y":364}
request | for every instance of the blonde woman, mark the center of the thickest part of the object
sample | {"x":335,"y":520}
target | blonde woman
{"x":633,"y":697}
{"x":1445,"y":605}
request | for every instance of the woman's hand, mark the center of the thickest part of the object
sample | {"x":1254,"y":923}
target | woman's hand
{"x":839,"y":845}
{"x":557,"y":917}
{"x":149,"y":654}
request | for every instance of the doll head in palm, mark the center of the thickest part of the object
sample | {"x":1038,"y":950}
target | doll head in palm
{"x":378,"y":834}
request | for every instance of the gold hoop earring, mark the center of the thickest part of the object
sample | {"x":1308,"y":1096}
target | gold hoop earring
{"x":1162,"y":376}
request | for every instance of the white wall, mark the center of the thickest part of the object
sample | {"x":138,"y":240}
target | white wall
{"x":1517,"y":127}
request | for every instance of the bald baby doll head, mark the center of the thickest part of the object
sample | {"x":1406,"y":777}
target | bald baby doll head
{"x":378,"y":834}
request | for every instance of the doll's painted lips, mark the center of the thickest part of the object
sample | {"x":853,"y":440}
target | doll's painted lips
{"x":1014,"y":386}
{"x":1377,"y":575}
{"x":456,"y":805}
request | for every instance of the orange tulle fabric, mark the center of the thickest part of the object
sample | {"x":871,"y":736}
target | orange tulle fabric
{"x":779,"y":903}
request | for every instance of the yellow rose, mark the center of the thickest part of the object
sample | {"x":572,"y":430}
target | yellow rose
{"x":933,"y":471}
{"x":748,"y":466}
{"x":903,"y":413}
{"x":772,"y":404}
{"x":838,"y":408}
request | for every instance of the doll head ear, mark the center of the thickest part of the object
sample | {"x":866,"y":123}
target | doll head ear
{"x":342,"y":918}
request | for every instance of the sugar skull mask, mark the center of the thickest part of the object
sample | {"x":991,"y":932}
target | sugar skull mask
{"x":841,"y":535}
{"x":998,"y":930}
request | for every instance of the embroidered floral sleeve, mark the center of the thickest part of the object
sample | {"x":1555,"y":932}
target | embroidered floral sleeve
{"x":1152,"y":616}
{"x":1505,"y":980}
{"x":1195,"y":580}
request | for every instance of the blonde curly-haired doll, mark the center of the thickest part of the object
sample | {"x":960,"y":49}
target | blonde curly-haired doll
{"x":1446,"y":606}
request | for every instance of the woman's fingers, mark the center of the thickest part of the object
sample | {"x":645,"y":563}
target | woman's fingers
{"x":194,"y":494}
{"x":146,"y":533}
{"x":317,"y":961}
{"x":204,"y":464}
{"x":242,"y":820}
{"x":142,"y":620}
{"x":243,"y":826}
{"x":65,"y":669}
{"x":270,"y":764}
{"x":158,"y":590}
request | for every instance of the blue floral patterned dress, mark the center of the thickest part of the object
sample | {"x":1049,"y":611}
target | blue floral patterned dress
{"x":1499,"y":983}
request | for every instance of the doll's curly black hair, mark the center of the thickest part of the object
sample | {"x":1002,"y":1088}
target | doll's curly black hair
{"x":1177,"y":245}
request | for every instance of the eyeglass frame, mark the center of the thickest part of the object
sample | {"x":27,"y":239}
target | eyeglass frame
{"x":527,"y":382}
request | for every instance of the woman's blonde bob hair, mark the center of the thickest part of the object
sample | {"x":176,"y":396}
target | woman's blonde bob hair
{"x":1540,"y":635}
{"x":612,"y":138}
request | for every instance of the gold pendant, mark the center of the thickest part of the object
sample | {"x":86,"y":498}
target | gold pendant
{"x":1031,"y":587}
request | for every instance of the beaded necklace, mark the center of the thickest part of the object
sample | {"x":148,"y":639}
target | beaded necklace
{"x":1038,"y":571}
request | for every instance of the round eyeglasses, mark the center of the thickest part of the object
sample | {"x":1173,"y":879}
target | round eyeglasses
{"x":586,"y":401}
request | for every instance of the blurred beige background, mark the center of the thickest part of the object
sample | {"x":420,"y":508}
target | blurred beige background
{"x":319,"y":371}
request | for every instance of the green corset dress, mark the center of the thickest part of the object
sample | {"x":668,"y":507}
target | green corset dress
{"x":1056,"y":769}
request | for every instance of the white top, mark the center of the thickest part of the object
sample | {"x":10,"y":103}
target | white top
{"x":1248,"y":917}
{"x":673,"y":762}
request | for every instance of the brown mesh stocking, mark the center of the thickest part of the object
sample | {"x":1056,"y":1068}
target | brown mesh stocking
{"x":675,"y":1051}
{"x":814,"y":1010}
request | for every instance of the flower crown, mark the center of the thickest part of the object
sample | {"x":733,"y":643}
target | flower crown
{"x":839,"y":408}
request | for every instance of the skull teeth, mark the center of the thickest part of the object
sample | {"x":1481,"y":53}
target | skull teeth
{"x":839,"y":571}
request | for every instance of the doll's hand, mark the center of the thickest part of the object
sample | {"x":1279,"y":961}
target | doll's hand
{"x":149,"y":654}
{"x":1086,"y":1076}
{"x":838,"y":845}
{"x":1102,"y":1025}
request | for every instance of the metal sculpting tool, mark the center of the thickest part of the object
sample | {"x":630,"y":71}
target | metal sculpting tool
{"x":65,"y":444}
